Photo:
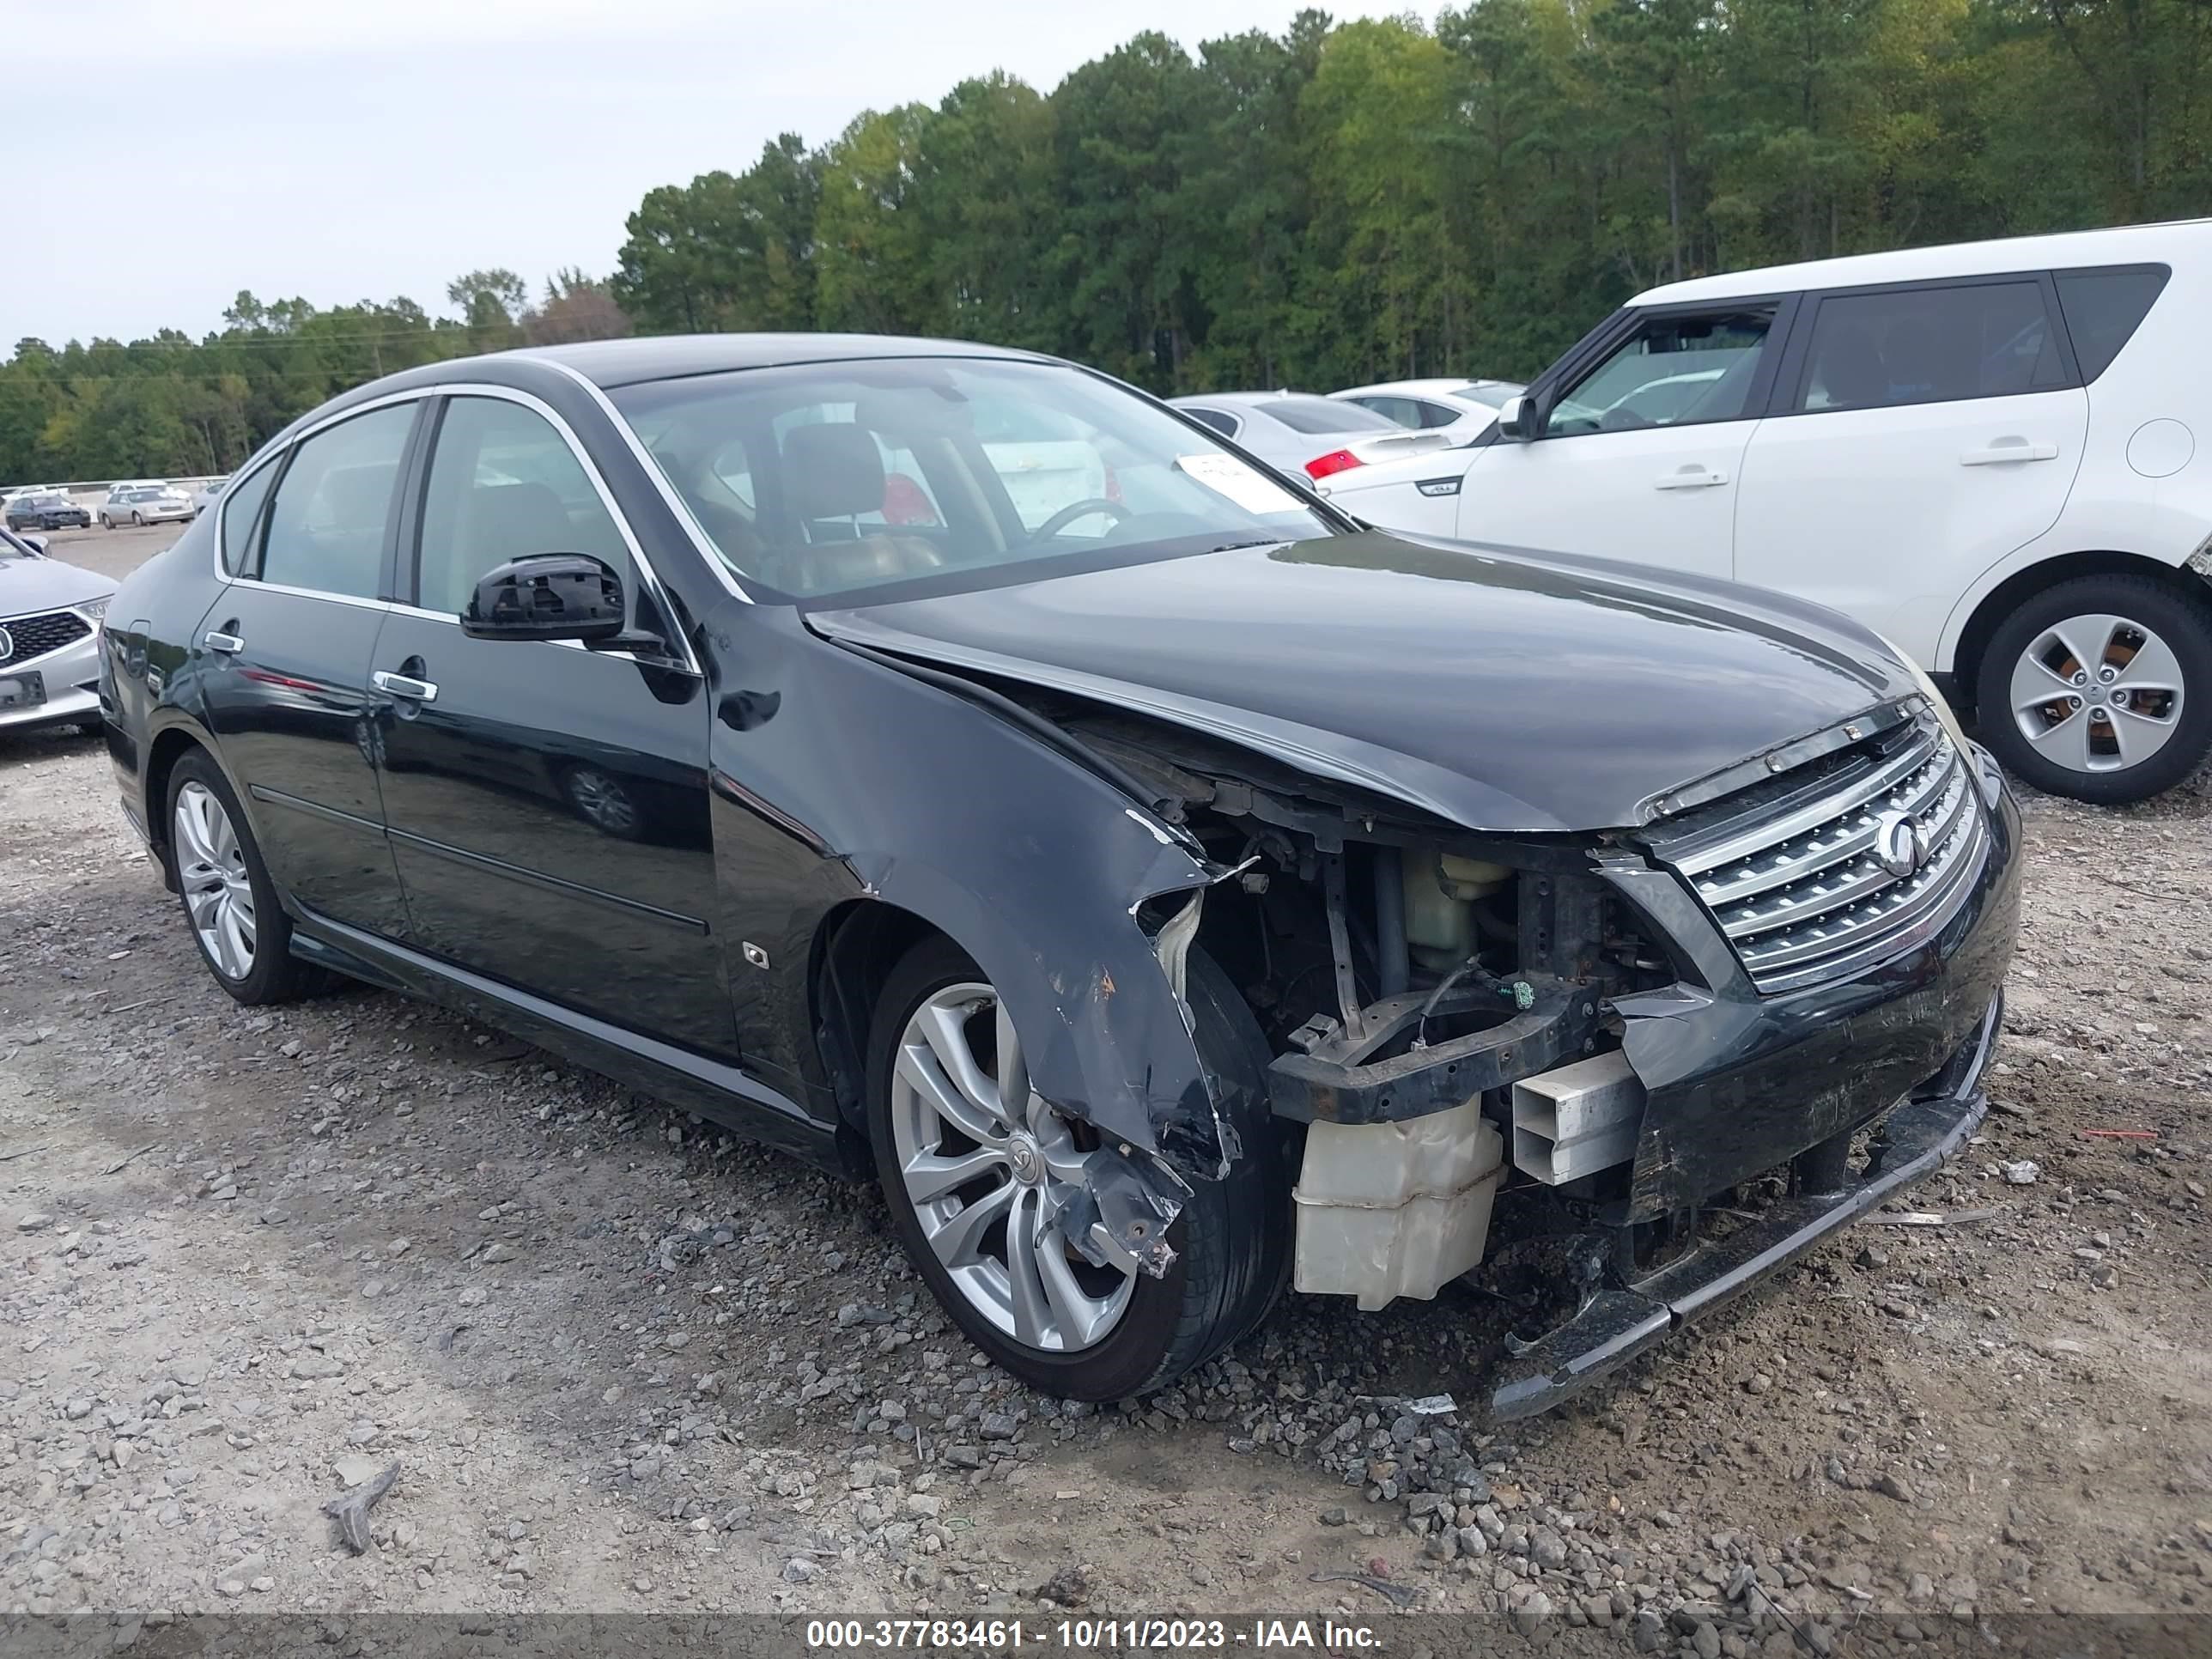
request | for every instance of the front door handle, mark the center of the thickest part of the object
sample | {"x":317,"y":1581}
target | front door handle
{"x":1689,"y":478}
{"x":2007,"y":450}
{"x":229,"y":644}
{"x":403,"y":685}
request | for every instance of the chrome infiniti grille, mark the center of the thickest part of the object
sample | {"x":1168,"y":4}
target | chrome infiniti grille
{"x":33,"y":637}
{"x":1817,"y":889}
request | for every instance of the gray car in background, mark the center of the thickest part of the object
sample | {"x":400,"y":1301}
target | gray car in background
{"x":144,"y":504}
{"x":1298,"y":432}
{"x":49,"y":619}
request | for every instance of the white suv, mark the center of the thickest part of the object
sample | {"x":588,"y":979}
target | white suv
{"x":1986,"y":451}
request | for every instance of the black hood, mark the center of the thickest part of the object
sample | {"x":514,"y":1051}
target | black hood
{"x":1505,"y":690}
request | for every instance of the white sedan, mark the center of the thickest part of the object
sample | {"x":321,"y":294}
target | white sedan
{"x":1457,"y":408}
{"x":1297,"y":432}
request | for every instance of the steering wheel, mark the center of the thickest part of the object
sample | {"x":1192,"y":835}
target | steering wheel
{"x":1075,"y":510}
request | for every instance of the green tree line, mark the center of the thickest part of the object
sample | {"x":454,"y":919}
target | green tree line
{"x":1339,"y":203}
{"x":176,"y":407}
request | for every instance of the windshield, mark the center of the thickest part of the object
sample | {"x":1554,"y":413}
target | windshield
{"x":826,"y":478}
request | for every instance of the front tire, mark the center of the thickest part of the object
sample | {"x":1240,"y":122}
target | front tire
{"x":961,"y":1171}
{"x":2100,"y":689}
{"x":107,"y":523}
{"x":230,"y":903}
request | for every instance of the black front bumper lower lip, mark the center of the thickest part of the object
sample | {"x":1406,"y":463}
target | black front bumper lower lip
{"x":1619,"y":1324}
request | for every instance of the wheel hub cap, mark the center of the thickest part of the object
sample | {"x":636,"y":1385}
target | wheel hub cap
{"x":2097,"y":693}
{"x":211,"y":871}
{"x":989,"y":1168}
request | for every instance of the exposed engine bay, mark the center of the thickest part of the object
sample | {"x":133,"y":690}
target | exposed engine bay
{"x":1438,"y":1004}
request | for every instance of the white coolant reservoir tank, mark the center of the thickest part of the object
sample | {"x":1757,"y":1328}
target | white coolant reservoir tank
{"x":1386,"y":1210}
{"x":1440,"y":889}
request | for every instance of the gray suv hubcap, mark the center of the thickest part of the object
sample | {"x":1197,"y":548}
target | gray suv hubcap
{"x":2097,"y":694}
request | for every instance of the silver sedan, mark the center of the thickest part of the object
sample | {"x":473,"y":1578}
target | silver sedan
{"x":49,"y":630}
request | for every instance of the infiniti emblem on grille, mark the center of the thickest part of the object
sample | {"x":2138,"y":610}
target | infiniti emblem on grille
{"x":1901,"y":844}
{"x":7,"y":645}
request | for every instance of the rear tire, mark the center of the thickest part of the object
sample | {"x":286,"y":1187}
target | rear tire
{"x":2089,"y":669}
{"x":1231,"y":1238}
{"x":216,"y":862}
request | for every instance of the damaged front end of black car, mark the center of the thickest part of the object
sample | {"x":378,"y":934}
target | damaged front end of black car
{"x":1616,"y":1074}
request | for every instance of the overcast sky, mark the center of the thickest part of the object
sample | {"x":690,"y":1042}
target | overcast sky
{"x":180,"y":150}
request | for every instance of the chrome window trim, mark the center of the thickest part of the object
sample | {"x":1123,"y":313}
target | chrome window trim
{"x":701,"y":542}
{"x":394,"y":608}
{"x":277,"y":452}
{"x":647,"y":577}
{"x":276,"y":456}
{"x":353,"y":599}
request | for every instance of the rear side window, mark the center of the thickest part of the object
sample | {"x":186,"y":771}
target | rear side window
{"x":2103,"y":310}
{"x":1398,"y":411}
{"x":1317,"y":416}
{"x":328,"y":523}
{"x":241,"y":507}
{"x":1224,"y":424}
{"x":1931,"y":345}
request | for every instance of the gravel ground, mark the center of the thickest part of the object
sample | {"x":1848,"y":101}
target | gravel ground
{"x":250,"y":1258}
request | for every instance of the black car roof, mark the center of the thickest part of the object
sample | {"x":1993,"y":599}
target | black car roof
{"x":626,"y":362}
{"x":610,"y":363}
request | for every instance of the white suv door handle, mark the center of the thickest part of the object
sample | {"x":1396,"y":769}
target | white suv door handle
{"x":2005,"y":450}
{"x":405,"y":686}
{"x":229,"y":644}
{"x":1689,"y":478}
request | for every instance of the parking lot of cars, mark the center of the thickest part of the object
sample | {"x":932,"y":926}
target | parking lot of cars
{"x":625,"y":1362}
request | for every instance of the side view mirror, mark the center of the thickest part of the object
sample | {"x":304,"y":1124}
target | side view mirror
{"x":1518,"y":419}
{"x":547,"y":595}
{"x":36,"y":544}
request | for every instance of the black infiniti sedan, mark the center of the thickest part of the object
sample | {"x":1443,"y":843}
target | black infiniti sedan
{"x":950,"y":765}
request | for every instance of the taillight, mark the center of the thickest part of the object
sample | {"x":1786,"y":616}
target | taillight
{"x":1337,"y":460}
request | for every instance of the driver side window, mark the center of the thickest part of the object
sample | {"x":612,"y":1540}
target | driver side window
{"x":504,"y":485}
{"x":1673,"y":371}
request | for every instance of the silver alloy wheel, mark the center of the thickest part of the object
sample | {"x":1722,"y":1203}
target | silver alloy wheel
{"x":211,"y":870}
{"x":988,"y":1176}
{"x":2097,"y":694}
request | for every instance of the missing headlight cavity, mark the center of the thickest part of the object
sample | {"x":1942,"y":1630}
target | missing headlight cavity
{"x":1410,"y":979}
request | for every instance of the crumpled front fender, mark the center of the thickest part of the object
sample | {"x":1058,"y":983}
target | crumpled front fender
{"x":1105,"y":1036}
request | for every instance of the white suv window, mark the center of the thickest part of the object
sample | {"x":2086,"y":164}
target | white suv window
{"x":1673,"y":371}
{"x":1930,"y":345}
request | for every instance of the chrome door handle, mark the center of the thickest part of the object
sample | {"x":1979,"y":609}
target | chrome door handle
{"x":1690,"y":478}
{"x":2005,"y":450}
{"x":405,"y":686}
{"x":229,"y":644}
